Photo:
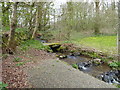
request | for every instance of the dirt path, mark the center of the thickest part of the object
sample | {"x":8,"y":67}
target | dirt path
{"x":15,"y":76}
{"x":58,"y":74}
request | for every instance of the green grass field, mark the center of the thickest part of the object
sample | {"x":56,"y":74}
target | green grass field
{"x":106,"y":44}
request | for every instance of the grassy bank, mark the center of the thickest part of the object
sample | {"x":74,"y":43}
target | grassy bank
{"x":106,"y":44}
{"x":33,"y":44}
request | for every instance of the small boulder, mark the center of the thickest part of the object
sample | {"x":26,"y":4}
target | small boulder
{"x":83,"y":65}
{"x":110,"y":77}
{"x":61,"y":56}
{"x":97,"y":61}
{"x":77,"y":54}
{"x":71,"y":57}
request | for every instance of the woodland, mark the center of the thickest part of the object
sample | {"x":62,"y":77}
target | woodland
{"x":32,"y":31}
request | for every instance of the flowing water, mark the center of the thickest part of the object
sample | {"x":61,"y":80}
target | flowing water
{"x":102,"y":71}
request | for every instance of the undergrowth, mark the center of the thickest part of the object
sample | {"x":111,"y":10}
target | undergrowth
{"x":115,"y":64}
{"x":33,"y":44}
{"x":3,"y":86}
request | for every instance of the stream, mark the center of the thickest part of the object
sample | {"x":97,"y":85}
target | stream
{"x":94,"y":67}
{"x":99,"y":70}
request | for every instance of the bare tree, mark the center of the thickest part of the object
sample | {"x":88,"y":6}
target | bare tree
{"x":96,"y":27}
{"x":31,"y":20}
{"x":39,"y":18}
{"x":37,"y":21}
{"x":119,"y":31}
{"x":13,"y":25}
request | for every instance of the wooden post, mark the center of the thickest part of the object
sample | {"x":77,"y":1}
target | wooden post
{"x":118,"y":31}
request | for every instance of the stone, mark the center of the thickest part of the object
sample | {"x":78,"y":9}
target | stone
{"x":75,"y":54}
{"x":83,"y":65}
{"x":71,"y":57}
{"x":111,"y":77}
{"x":53,"y":46}
{"x":61,"y":56}
{"x":97,"y":61}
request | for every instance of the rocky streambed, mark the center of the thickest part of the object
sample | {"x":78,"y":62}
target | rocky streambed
{"x":95,"y":67}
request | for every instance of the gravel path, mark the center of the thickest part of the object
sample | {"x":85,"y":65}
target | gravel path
{"x":58,"y":74}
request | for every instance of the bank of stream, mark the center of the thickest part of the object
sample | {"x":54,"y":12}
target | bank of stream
{"x":95,"y":67}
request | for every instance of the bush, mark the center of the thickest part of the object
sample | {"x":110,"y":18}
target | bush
{"x":3,"y":86}
{"x":17,"y":59}
{"x":114,"y":64}
{"x":20,"y":63}
{"x":75,"y":66}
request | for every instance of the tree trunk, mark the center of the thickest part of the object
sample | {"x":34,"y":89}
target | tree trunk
{"x":49,"y":19}
{"x":31,"y":21}
{"x":13,"y":25}
{"x":39,"y":18}
{"x":70,"y":19}
{"x":113,"y":5}
{"x":119,"y":31}
{"x":54,"y":18}
{"x":96,"y":27}
{"x":37,"y":22}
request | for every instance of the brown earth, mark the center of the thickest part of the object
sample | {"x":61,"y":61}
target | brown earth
{"x":15,"y":76}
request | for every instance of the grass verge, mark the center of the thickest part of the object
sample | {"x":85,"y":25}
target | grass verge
{"x":106,"y":44}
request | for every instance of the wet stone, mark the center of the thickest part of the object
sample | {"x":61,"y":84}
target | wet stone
{"x":62,"y":56}
{"x":97,"y":61}
{"x":43,"y":41}
{"x":71,"y":57}
{"x":84,"y":65}
{"x":112,"y":77}
{"x":75,"y":54}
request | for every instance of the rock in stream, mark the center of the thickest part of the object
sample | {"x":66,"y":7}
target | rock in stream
{"x":84,"y":65}
{"x":112,"y":77}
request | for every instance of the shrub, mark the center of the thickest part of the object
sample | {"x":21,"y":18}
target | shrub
{"x":114,"y":64}
{"x":17,"y":59}
{"x":75,"y":66}
{"x":3,"y":86}
{"x":20,"y":63}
